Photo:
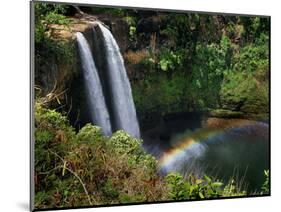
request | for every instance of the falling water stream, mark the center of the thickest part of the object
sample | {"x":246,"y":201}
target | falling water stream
{"x":124,"y":112}
{"x":98,"y":109}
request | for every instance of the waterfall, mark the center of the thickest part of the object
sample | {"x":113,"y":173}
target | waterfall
{"x":98,"y":110}
{"x":118,"y":85}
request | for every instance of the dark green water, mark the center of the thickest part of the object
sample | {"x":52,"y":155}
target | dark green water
{"x":225,"y":149}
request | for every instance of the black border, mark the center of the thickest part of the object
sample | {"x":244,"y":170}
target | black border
{"x":31,"y":102}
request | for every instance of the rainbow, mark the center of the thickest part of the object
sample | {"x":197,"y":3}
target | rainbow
{"x":196,"y":142}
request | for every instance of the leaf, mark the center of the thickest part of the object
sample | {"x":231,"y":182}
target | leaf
{"x":164,"y":65}
{"x":201,"y":195}
{"x":191,"y":189}
{"x":217,"y":184}
{"x":207,"y":178}
{"x":199,"y":181}
{"x":64,"y":167}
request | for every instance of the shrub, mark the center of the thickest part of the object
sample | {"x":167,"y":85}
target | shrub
{"x":122,"y":143}
{"x":265,"y":186}
{"x":212,"y":61}
{"x":131,"y":21}
{"x":55,"y":18}
{"x":48,"y":14}
{"x":233,"y":189}
{"x":252,"y":58}
{"x":193,"y":187}
{"x":245,"y":87}
{"x":199,"y":188}
{"x":88,"y":168}
{"x":90,"y":135}
{"x":170,"y":60}
{"x":48,"y":50}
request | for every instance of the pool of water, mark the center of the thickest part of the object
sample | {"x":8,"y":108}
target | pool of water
{"x":222,"y":148}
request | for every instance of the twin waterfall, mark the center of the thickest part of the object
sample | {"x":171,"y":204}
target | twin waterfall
{"x":107,"y":85}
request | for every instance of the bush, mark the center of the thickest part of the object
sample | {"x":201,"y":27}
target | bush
{"x":265,"y":187}
{"x":252,"y":58}
{"x":51,"y":132}
{"x":123,"y":143}
{"x":212,"y":61}
{"x":90,"y":135}
{"x":54,"y":18}
{"x":46,"y":47}
{"x":170,"y":60}
{"x":160,"y":95}
{"x":245,"y":87}
{"x":48,"y":14}
{"x":193,"y":188}
{"x":88,"y":168}
{"x":199,"y":188}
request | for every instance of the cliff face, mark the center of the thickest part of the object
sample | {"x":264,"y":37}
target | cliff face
{"x":142,"y":39}
{"x":56,"y":63}
{"x":59,"y":64}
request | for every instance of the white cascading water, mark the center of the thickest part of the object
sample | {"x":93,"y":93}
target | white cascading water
{"x":98,"y":110}
{"x":123,"y":107}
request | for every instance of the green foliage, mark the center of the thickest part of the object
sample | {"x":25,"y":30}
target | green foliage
{"x":123,"y":143}
{"x":43,"y":136}
{"x":51,"y":130}
{"x":45,"y":14}
{"x":42,"y":9}
{"x":180,"y":29}
{"x":47,"y":49}
{"x":178,"y":187}
{"x":51,"y":117}
{"x":169,"y":60}
{"x":253,"y":28}
{"x":160,"y":94}
{"x":223,"y":75}
{"x":265,"y":186}
{"x":131,"y":21}
{"x":193,"y":188}
{"x":200,"y":188}
{"x":55,"y":18}
{"x":252,"y":58}
{"x":222,"y":61}
{"x":85,"y":168}
{"x":245,"y":87}
{"x":148,"y":63}
{"x":232,"y":189}
{"x":132,"y":33}
{"x":89,"y":134}
{"x":211,"y":63}
{"x":181,"y":32}
{"x":109,"y":190}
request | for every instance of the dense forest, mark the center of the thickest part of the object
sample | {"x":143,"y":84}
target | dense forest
{"x":210,"y":69}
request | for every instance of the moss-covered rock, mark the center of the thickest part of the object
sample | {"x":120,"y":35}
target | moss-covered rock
{"x":245,"y":94}
{"x":222,"y":113}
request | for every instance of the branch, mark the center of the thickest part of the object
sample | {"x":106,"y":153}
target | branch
{"x":75,"y":175}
